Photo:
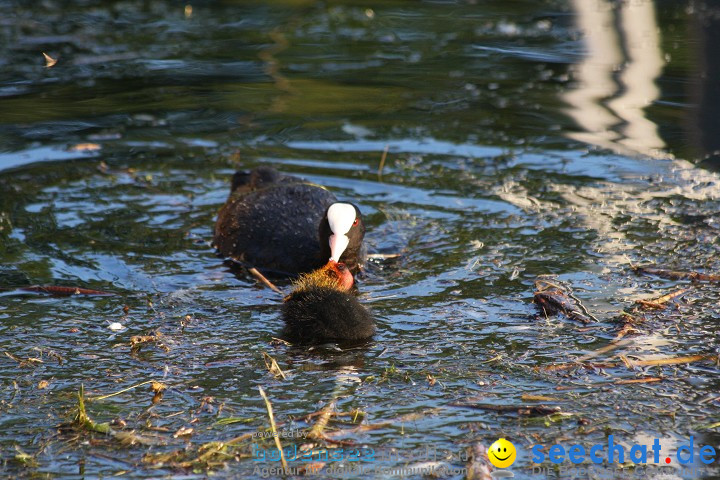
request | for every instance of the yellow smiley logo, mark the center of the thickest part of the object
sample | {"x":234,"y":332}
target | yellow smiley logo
{"x":502,"y":453}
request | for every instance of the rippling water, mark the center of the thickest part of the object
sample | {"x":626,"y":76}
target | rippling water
{"x":521,"y":142}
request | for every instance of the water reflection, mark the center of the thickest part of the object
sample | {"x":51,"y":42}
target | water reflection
{"x":703,"y":119}
{"x":616,"y":79}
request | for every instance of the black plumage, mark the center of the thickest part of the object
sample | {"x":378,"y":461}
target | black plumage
{"x":277,"y":223}
{"x":321,"y":314}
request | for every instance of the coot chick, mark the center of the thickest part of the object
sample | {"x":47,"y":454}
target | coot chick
{"x":320,"y":309}
{"x":283,"y":224}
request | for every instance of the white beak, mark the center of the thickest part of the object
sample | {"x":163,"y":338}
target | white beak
{"x":338,"y":244}
{"x":340,"y":217}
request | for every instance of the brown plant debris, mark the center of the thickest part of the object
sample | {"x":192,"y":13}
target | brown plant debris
{"x":399,"y":421}
{"x":557,"y":299}
{"x":273,"y":366}
{"x":207,"y":455}
{"x":619,"y":341}
{"x":61,"y":291}
{"x":49,"y":61}
{"x":24,"y":362}
{"x":137,"y":341}
{"x":84,"y":147}
{"x":158,"y":390}
{"x":632,"y":381}
{"x":317,"y":431}
{"x":478,"y":467}
{"x":184,"y":432}
{"x":132,"y":438}
{"x":157,"y":387}
{"x":586,"y":365}
{"x":353,"y":413}
{"x":661,"y":302}
{"x":667,"y":360}
{"x":674,"y":274}
{"x":631,"y":363}
{"x":523,"y":410}
{"x":537,"y":398}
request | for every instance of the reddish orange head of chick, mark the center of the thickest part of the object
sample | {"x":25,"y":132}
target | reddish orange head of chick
{"x":333,"y":275}
{"x":341,"y":273}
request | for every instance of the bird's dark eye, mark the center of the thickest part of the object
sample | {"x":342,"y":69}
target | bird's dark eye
{"x":357,"y":220}
{"x":341,"y":267}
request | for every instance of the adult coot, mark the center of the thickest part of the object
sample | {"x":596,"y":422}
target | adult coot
{"x":285,"y":225}
{"x":320,"y":309}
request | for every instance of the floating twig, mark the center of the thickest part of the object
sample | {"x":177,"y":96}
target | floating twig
{"x":630,"y":363}
{"x":617,"y":343}
{"x":631,"y":381}
{"x":526,"y":410}
{"x":23,"y":362}
{"x":568,"y":365}
{"x":668,"y":361}
{"x":264,"y":280}
{"x":537,"y":398}
{"x":274,"y":428}
{"x":383,"y":256}
{"x":61,"y":291}
{"x":660,"y":302}
{"x":675,"y":274}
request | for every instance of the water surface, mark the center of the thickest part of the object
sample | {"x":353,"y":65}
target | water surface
{"x":524,"y":139}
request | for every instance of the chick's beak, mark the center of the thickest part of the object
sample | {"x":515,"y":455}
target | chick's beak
{"x":338,"y":244}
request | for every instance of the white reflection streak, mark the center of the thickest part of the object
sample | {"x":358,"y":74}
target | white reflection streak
{"x":614,"y":88}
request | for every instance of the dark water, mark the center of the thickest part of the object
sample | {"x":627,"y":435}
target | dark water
{"x":525,"y":138}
